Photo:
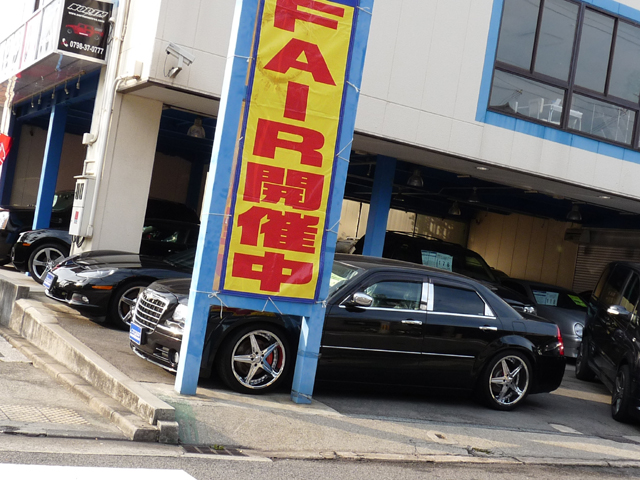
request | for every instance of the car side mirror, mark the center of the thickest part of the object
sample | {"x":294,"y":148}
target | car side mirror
{"x":618,"y":311}
{"x":360,"y":299}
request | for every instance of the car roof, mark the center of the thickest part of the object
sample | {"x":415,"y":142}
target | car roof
{"x":372,"y":263}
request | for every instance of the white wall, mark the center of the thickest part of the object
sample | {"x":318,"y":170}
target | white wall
{"x":421,"y":86}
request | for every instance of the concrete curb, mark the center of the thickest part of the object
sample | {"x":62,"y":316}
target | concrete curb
{"x":140,"y":415}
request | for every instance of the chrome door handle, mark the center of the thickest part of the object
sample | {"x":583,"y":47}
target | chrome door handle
{"x":412,"y":322}
{"x":486,"y":327}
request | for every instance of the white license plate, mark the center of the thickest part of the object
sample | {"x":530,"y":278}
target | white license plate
{"x":135,"y":333}
{"x":48,"y":280}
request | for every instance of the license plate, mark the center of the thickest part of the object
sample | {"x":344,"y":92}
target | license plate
{"x":48,"y":280}
{"x":135,"y":333}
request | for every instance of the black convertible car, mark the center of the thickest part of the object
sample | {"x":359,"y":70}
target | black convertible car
{"x":387,"y":322}
{"x":108,"y":282}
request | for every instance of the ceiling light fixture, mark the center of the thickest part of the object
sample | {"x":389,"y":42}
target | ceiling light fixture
{"x":473,"y":198}
{"x":415,"y":180}
{"x":482,"y":169}
{"x":454,"y":209}
{"x":604,"y":197}
{"x":574,"y":215}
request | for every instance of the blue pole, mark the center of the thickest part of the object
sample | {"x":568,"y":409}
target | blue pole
{"x":380,"y":204}
{"x":9,"y":165}
{"x":50,"y":166}
{"x":216,"y":193}
{"x":312,"y":324}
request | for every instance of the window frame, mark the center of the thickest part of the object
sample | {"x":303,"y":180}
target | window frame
{"x":569,"y":87}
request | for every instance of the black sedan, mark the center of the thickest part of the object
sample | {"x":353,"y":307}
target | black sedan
{"x":386,"y":322}
{"x":560,"y":305}
{"x":108,"y":282}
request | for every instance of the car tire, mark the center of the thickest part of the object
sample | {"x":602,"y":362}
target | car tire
{"x":583,"y":370}
{"x":506,"y":380}
{"x":122,"y":302}
{"x":621,"y":395}
{"x":69,"y":31}
{"x":254,"y":359}
{"x":43,"y":257}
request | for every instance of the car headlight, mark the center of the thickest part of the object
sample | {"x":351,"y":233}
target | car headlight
{"x":180,"y":314}
{"x":96,"y":273}
{"x":4,"y":219}
{"x":530,"y":309}
{"x":578,"y":328}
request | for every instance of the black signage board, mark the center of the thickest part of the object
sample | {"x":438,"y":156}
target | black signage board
{"x":85,"y":28}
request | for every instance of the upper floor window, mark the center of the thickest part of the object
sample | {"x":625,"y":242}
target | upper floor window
{"x":566,"y":64}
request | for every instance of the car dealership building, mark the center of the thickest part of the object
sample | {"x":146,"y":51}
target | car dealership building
{"x":509,"y":126}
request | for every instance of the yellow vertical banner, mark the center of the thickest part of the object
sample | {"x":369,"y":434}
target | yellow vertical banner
{"x":275,"y":239}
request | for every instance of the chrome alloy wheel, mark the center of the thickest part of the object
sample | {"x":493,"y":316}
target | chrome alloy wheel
{"x":43,"y":261}
{"x":127,"y":301}
{"x":509,"y":380}
{"x":258,"y":359}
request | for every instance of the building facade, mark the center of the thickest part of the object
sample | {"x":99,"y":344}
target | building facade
{"x":511,"y":126}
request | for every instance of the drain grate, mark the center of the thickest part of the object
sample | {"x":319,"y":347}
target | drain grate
{"x":215,"y":450}
{"x":21,"y":413}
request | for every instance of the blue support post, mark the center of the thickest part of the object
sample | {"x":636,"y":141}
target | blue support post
{"x":50,"y":166}
{"x":307,"y":358}
{"x":9,"y":165}
{"x":216,"y":194}
{"x":380,"y":204}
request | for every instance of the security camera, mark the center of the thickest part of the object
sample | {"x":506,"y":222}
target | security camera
{"x":181,"y":54}
{"x":183,"y":57}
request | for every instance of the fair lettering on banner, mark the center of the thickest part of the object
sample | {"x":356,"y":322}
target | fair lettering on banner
{"x":279,"y":202}
{"x":5,"y":146}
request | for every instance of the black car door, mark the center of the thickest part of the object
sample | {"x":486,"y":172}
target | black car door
{"x":377,"y":344}
{"x":460,"y":326}
{"x":617,"y":343}
{"x":603,"y":324}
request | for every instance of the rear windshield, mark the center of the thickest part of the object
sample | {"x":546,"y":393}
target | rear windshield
{"x":470,"y":264}
{"x":556,"y":298}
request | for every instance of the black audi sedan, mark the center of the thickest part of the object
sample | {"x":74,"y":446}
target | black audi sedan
{"x":610,"y":347}
{"x":107,"y":283}
{"x":387,"y":322}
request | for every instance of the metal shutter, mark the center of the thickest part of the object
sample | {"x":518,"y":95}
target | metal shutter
{"x":591,"y":262}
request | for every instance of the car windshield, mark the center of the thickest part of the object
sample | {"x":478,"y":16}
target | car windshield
{"x":183,"y":259}
{"x":62,"y":201}
{"x":556,"y":298}
{"x":340,"y":274}
{"x":471,"y":265}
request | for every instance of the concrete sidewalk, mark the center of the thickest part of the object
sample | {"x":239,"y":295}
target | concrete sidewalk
{"x":91,"y":358}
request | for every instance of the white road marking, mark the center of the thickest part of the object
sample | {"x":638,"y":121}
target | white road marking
{"x":54,"y":472}
{"x":10,"y":354}
{"x":564,"y":429}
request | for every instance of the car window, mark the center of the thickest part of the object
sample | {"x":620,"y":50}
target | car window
{"x":164,"y":234}
{"x":516,"y":287}
{"x":551,"y":297}
{"x":448,"y":299}
{"x":603,"y":278}
{"x":630,"y":297}
{"x":392,"y":294}
{"x":612,"y":289}
{"x":340,"y":274}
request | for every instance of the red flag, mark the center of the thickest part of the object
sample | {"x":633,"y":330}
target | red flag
{"x":5,"y":146}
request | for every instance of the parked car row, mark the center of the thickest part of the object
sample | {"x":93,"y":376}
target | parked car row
{"x":387,"y":321}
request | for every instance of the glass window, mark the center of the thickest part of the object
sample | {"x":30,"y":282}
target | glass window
{"x":457,"y":300}
{"x":557,"y":298}
{"x":603,"y":278}
{"x":518,"y":31}
{"x":557,"y":34}
{"x":516,"y":287}
{"x":625,"y":71}
{"x":595,"y":48}
{"x":402,"y":295}
{"x":527,"y":98}
{"x":340,"y":274}
{"x":629,"y":299}
{"x":601,"y":119}
{"x":612,"y":290}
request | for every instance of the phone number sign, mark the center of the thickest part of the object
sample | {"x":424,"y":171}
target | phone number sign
{"x":280,"y":197}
